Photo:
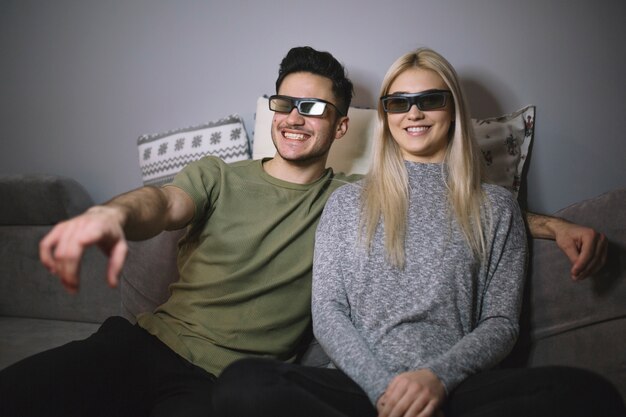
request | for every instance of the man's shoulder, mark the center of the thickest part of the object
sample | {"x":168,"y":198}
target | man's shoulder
{"x":215,"y":164}
{"x":337,"y":180}
{"x":347,"y":178}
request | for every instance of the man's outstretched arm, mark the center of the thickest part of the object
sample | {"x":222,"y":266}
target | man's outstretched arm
{"x":585,"y":248}
{"x":136,"y":215}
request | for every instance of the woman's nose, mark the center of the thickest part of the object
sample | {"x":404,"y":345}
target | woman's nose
{"x":414,"y":112}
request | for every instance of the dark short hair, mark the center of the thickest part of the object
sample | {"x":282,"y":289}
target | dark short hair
{"x":307,"y":59}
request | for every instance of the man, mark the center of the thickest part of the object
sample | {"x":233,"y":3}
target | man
{"x":245,"y":266}
{"x":245,"y":272}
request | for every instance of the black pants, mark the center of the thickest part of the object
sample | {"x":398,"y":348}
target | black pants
{"x":265,"y":388}
{"x":121,"y":370}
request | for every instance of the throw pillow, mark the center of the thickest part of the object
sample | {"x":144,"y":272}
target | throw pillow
{"x":162,"y":155}
{"x":503,"y":140}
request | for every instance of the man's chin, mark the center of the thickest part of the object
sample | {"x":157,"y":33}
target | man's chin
{"x":303,"y":160}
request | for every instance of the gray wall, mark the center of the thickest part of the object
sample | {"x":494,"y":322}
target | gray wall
{"x":80,"y":80}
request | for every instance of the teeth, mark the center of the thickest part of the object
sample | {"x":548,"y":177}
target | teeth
{"x":417,"y":129}
{"x":295,"y":136}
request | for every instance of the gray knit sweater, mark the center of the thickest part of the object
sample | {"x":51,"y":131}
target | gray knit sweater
{"x":445,"y":311}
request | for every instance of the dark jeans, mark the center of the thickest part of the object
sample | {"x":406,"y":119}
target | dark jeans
{"x":121,"y":370}
{"x":264,"y":388}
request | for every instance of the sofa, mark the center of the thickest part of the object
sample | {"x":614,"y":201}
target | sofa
{"x":563,"y":322}
{"x":35,"y":311}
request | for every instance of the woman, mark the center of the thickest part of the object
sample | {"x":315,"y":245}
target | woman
{"x":424,"y":288}
{"x":417,"y":281}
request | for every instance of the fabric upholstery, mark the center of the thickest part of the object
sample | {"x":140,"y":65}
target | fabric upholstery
{"x":581,"y":323}
{"x":37,"y":294}
{"x":36,"y":199}
{"x":149,"y":270}
{"x":23,"y":337}
{"x":36,"y":313}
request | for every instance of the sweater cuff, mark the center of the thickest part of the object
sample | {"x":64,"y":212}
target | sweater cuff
{"x":448,"y":377}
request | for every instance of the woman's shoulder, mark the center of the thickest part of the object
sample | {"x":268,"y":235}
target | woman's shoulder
{"x":344,"y":199}
{"x":500,"y":198}
{"x":347,"y":192}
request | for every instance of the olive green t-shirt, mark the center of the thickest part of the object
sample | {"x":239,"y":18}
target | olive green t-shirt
{"x":245,"y":267}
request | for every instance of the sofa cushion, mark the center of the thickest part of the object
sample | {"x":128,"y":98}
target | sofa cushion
{"x":149,"y":270}
{"x":504,"y":140}
{"x":37,"y":199}
{"x":599,"y":348}
{"x":28,"y":290}
{"x":162,"y":155}
{"x":23,"y":337}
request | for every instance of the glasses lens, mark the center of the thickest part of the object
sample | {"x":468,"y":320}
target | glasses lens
{"x":281,"y":104}
{"x":396,"y":104}
{"x":312,"y":108}
{"x":402,"y":103}
{"x":431,"y":101}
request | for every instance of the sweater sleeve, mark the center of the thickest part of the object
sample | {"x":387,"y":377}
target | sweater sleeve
{"x":332,"y":324}
{"x":497,"y":327}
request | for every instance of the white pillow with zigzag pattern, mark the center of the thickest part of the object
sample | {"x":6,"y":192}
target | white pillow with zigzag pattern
{"x":162,"y":155}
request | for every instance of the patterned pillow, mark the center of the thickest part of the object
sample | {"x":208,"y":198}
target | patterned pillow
{"x":504,"y":141}
{"x":162,"y":155}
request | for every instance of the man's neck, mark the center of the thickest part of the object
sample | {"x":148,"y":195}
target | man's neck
{"x":297,"y":173}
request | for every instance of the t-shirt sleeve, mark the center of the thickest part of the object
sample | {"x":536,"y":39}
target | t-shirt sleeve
{"x":201,"y":180}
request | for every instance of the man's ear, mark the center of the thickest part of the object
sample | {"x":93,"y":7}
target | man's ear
{"x":342,"y":127}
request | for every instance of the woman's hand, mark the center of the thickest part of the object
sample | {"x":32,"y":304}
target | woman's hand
{"x":412,"y":394}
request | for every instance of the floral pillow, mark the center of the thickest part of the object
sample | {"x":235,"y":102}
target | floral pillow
{"x":503,"y":140}
{"x":162,"y":155}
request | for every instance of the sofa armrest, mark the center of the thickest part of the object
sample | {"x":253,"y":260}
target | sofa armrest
{"x":39,"y":199}
{"x":581,"y":324}
{"x":30,"y":205}
{"x":557,"y":304}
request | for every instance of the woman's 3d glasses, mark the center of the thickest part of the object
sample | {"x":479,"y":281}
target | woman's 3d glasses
{"x":305,"y":106}
{"x":426,"y":100}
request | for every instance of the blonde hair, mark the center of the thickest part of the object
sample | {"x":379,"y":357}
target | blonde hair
{"x":385,"y":194}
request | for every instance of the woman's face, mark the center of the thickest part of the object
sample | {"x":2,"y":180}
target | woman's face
{"x":421,"y":135}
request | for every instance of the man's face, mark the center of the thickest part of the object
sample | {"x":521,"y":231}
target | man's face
{"x":306,"y":139}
